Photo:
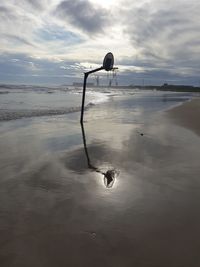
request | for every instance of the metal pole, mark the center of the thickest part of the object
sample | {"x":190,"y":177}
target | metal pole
{"x":86,"y":74}
{"x":83,"y":96}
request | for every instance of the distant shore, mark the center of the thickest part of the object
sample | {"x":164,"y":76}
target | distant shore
{"x":164,"y":87}
{"x":167,"y":87}
{"x":187,"y":115}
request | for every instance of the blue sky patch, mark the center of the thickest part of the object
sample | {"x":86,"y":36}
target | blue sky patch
{"x":58,"y":34}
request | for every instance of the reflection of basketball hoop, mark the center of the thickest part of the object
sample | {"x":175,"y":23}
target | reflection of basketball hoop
{"x":97,"y":80}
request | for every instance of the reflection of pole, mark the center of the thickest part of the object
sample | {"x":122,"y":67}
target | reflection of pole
{"x":97,"y":79}
{"x":109,"y":175}
{"x":86,"y":74}
{"x":86,"y":151}
{"x":84,"y":143}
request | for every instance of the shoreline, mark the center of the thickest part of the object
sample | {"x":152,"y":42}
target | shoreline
{"x":186,"y":115}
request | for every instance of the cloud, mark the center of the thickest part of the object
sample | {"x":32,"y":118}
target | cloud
{"x":29,"y":69}
{"x":84,"y":15}
{"x":17,"y":39}
{"x":165,"y":32}
{"x":16,"y":24}
{"x":35,"y":3}
{"x":150,"y":39}
{"x":6,"y":15}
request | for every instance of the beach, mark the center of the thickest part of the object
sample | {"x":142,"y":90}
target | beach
{"x":187,"y":115}
{"x":56,"y":208}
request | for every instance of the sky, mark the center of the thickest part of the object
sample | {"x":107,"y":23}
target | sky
{"x":55,"y":42}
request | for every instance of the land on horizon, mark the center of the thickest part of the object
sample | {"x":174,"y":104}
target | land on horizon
{"x":164,"y":87}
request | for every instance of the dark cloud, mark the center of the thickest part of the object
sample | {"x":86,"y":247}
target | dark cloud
{"x":35,"y":3}
{"x":6,"y":14}
{"x":84,"y":15}
{"x":4,"y":10}
{"x":22,"y":68}
{"x":17,"y":39}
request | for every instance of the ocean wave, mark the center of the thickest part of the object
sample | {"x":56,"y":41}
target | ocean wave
{"x":7,"y":115}
{"x":4,"y":92}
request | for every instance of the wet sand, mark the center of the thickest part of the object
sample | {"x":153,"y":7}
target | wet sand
{"x":187,"y":115}
{"x":56,"y":211}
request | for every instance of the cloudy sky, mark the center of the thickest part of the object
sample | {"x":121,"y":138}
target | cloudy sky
{"x":54,"y":41}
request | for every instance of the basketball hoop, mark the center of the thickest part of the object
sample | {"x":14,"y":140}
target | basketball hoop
{"x":108,"y":61}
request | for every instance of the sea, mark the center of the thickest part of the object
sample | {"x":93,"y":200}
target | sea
{"x":17,"y":102}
